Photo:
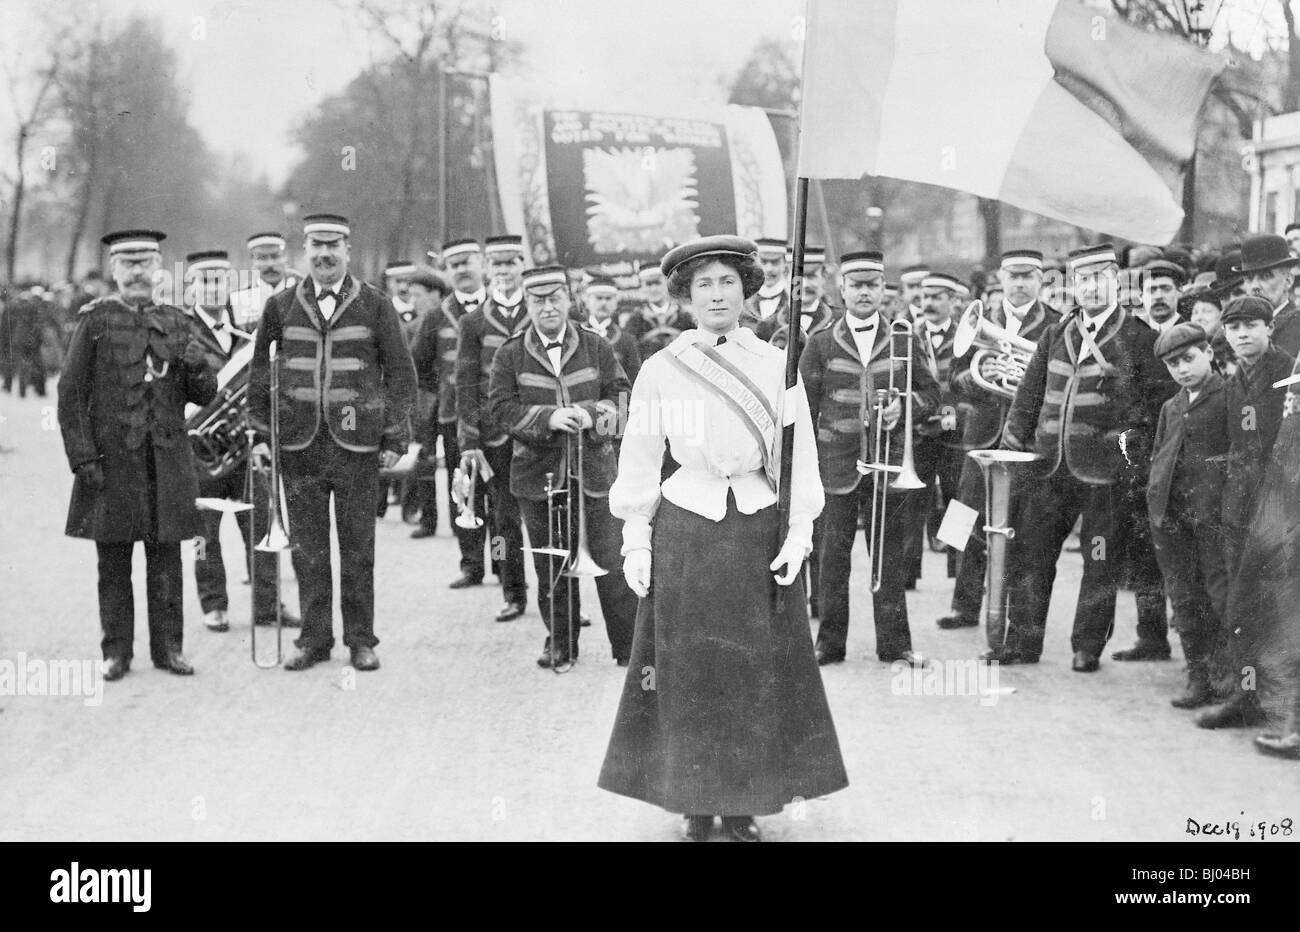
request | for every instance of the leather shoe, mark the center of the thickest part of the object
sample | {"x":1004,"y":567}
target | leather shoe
{"x":909,"y":657}
{"x":287,"y":619}
{"x":698,"y":828}
{"x":562,"y":658}
{"x":1006,"y":658}
{"x":175,"y":663}
{"x":510,"y":611}
{"x":115,"y":668}
{"x":1237,"y":712}
{"x":305,"y":659}
{"x":1275,"y":745}
{"x":363,"y":658}
{"x":623,"y":662}
{"x":1144,"y":650}
{"x":216,"y":620}
{"x":952,"y":622}
{"x":740,"y":828}
{"x":422,"y":532}
{"x":824,"y":657}
{"x":465,"y":581}
{"x":1085,"y":662}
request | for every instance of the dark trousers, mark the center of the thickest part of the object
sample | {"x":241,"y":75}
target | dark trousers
{"x":1047,"y":510}
{"x":618,"y":603}
{"x":839,"y":524}
{"x":311,"y":477}
{"x":471,"y":540}
{"x":209,"y":562}
{"x":164,"y":587}
{"x":1191,"y":558}
{"x":936,"y":461}
{"x":968,"y":593}
{"x":507,"y":540}
{"x":812,"y":566}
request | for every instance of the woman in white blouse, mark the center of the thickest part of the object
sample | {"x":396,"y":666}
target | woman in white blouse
{"x":723,"y":711}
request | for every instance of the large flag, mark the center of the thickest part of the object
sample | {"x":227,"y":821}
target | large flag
{"x":1044,"y":104}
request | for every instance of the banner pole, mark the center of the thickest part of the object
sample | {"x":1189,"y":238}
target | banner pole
{"x":793,"y":347}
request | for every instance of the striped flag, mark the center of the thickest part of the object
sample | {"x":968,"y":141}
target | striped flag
{"x":1044,"y":104}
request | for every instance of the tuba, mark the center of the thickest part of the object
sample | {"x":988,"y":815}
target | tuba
{"x":218,"y":430}
{"x":1012,"y":353}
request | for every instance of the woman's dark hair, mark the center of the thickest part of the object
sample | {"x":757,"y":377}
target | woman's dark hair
{"x":751,"y":274}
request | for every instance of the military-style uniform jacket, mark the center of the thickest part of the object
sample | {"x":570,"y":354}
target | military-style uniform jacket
{"x":483,"y":332}
{"x":940,"y":361}
{"x":651,"y":336}
{"x":350,"y":375}
{"x":217,"y":357}
{"x":1254,"y":416}
{"x":984,"y":413}
{"x":247,"y":304}
{"x":1190,"y":449}
{"x":434,"y":353}
{"x":625,"y":348}
{"x":754,"y":315}
{"x":124,"y":382}
{"x":525,"y":392}
{"x":834,"y":380}
{"x":776,"y":329}
{"x":1286,"y":329}
{"x":1072,"y":414}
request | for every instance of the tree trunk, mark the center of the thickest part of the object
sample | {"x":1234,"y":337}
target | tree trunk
{"x":991,"y":213}
{"x":15,"y":222}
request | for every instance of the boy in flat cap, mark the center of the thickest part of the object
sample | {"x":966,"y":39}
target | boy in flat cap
{"x":1183,"y":497}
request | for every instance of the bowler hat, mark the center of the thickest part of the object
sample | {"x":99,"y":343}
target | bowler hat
{"x":1260,"y":253}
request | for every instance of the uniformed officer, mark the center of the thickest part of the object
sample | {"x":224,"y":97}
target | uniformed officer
{"x":207,"y":294}
{"x":817,"y":314}
{"x":435,"y":360}
{"x":131,"y":367}
{"x":660,"y":319}
{"x":1088,"y":404}
{"x":426,"y":290}
{"x":347,"y":386}
{"x":601,"y":300}
{"x":913,"y":290}
{"x":270,"y":257}
{"x":556,"y":387}
{"x":774,"y":295}
{"x":481,"y":437}
{"x":841,"y":395}
{"x":984,"y":412}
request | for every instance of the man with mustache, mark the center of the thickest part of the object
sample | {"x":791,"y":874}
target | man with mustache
{"x":346,"y":390}
{"x":1268,"y":271}
{"x":1160,"y":283}
{"x":131,"y":367}
{"x":269,"y":255}
{"x":817,"y":313}
{"x":482,"y":438}
{"x":774,"y":296}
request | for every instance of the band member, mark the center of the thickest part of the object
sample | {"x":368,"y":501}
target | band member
{"x":735,"y":721}
{"x":1087,"y":405}
{"x":434,"y":353}
{"x":270,"y":258}
{"x":939,"y":452}
{"x":427,"y":291}
{"x":1022,"y":315}
{"x":817,"y":314}
{"x":221,"y":341}
{"x":661,"y":319}
{"x":557,"y":384}
{"x":481,"y":437}
{"x":601,"y":300}
{"x":131,"y":367}
{"x":347,"y":386}
{"x":1268,"y":270}
{"x":835,"y":380}
{"x":891,"y":304}
{"x":1255,"y":410}
{"x":774,"y":297}
{"x":1183,"y":498}
{"x":397,"y":283}
{"x":397,"y":278}
{"x":1160,"y":283}
{"x":913,"y":290}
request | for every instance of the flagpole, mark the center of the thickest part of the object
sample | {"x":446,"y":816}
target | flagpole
{"x":793,"y":345}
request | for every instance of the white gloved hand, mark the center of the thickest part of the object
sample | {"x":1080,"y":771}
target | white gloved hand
{"x":791,"y":557}
{"x":636,"y":570}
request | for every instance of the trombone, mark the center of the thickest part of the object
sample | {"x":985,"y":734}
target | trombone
{"x":877,"y":459}
{"x":276,"y":540}
{"x":566,"y":559}
{"x":464,"y":485}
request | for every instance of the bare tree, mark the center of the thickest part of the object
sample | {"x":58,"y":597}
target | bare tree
{"x":30,"y":116}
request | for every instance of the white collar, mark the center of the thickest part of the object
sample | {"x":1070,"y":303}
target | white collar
{"x":543,"y":339}
{"x":337,"y":287}
{"x":402,"y":306}
{"x":601,"y":325}
{"x":1170,"y":322}
{"x":502,"y":301}
{"x":1100,"y":319}
{"x":775,"y":291}
{"x":472,"y":298}
{"x":935,"y":328}
{"x":737,"y":335}
{"x":856,"y":325}
{"x":210,"y":321}
{"x":1284,"y":303}
{"x":1020,"y":313}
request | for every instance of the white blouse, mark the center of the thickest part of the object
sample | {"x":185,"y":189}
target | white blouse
{"x":716,"y":450}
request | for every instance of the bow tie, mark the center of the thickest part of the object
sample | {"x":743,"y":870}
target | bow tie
{"x":550,"y":345}
{"x":1091,"y":328}
{"x":864,"y":328}
{"x":333,"y":295}
{"x":219,"y":326}
{"x":721,"y":340}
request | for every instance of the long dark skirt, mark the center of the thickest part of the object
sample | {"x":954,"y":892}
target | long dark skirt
{"x":723,"y":711}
